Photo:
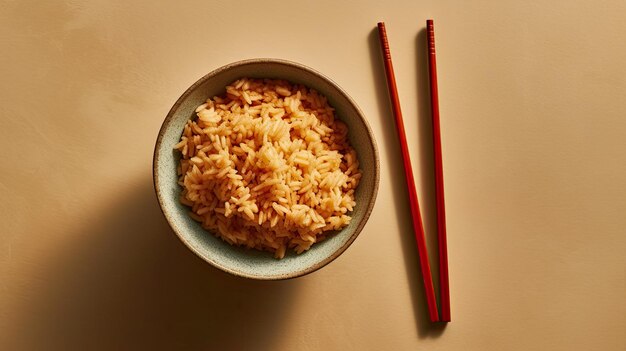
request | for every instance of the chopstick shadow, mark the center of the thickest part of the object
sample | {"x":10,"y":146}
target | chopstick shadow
{"x":425,"y":329}
{"x":127,"y":282}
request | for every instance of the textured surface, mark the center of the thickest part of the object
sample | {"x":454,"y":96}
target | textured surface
{"x":532,"y":117}
{"x":250,"y":263}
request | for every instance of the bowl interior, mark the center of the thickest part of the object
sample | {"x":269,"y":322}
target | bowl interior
{"x":253,"y":263}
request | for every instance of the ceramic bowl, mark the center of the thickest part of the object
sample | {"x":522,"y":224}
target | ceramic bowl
{"x":252,"y":263}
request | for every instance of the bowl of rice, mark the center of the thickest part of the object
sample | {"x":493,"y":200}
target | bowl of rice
{"x":266,"y":169}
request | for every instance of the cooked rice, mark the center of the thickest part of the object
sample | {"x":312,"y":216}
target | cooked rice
{"x":267,"y":166}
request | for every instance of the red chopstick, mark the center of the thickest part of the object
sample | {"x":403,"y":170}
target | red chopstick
{"x":444,"y":283}
{"x":418,"y":227}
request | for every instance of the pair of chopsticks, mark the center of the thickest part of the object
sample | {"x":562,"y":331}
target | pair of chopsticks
{"x":418,"y":226}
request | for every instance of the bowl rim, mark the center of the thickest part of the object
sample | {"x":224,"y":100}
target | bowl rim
{"x":290,"y":275}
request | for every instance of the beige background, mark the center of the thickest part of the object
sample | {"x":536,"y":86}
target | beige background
{"x":534,"y":141}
